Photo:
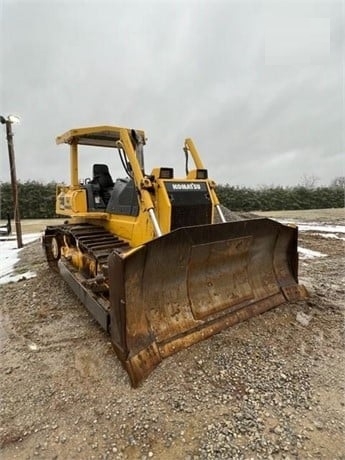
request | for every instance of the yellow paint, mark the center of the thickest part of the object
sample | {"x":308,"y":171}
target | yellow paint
{"x":74,"y":164}
{"x":136,"y":230}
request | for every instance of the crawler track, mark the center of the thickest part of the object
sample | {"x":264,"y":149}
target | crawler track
{"x":79,"y":252}
{"x":92,"y":240}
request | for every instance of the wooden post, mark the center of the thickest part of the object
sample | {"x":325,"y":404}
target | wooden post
{"x":9,"y":134}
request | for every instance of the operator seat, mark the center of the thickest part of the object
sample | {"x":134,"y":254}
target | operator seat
{"x":102,"y":177}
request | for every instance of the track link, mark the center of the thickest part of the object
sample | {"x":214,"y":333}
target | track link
{"x":90,"y":239}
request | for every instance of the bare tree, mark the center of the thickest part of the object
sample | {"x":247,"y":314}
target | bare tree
{"x":338,"y":182}
{"x":309,"y":181}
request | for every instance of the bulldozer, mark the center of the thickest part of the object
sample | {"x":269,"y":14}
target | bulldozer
{"x":152,"y":256}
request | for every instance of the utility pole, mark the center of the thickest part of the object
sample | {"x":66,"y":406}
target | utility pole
{"x":9,"y":134}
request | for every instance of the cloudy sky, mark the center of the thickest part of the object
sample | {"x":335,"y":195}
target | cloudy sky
{"x":258,"y":85}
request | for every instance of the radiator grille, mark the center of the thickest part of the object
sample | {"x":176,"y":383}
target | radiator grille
{"x":191,"y":204}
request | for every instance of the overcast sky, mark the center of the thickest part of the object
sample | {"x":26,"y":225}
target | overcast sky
{"x":258,"y":85}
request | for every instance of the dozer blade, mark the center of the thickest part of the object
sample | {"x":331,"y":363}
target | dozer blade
{"x":194,"y":282}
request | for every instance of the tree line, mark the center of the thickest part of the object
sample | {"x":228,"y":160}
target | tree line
{"x":280,"y":198}
{"x":37,"y":200}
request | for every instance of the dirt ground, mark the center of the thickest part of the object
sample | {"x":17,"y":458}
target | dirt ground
{"x":269,"y":388}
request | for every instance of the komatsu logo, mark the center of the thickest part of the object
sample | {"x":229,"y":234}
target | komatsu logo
{"x":186,"y":186}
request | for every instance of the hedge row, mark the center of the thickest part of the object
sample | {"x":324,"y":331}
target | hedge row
{"x":280,"y":198}
{"x":37,"y":200}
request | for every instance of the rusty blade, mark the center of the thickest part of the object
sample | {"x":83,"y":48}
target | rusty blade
{"x":193,"y":282}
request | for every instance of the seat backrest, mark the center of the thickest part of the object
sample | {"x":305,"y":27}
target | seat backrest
{"x":102,"y":176}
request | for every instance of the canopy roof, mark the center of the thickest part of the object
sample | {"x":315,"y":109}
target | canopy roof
{"x":102,"y":136}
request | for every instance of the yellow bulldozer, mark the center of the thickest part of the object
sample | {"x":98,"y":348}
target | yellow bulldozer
{"x":152,"y":256}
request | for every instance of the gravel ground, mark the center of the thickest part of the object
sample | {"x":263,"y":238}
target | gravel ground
{"x":269,"y":388}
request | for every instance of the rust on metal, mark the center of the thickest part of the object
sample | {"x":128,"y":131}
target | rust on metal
{"x":194,"y":282}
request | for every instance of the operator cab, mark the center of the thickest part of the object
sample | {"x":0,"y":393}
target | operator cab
{"x":105,"y":195}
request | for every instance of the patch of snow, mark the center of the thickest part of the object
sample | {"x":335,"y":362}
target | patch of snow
{"x":9,"y":256}
{"x":11,"y":278}
{"x":314,"y":226}
{"x":305,"y":253}
{"x":329,"y":235}
{"x":321,"y":228}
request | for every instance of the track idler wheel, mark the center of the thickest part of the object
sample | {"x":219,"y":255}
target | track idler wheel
{"x":52,"y":248}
